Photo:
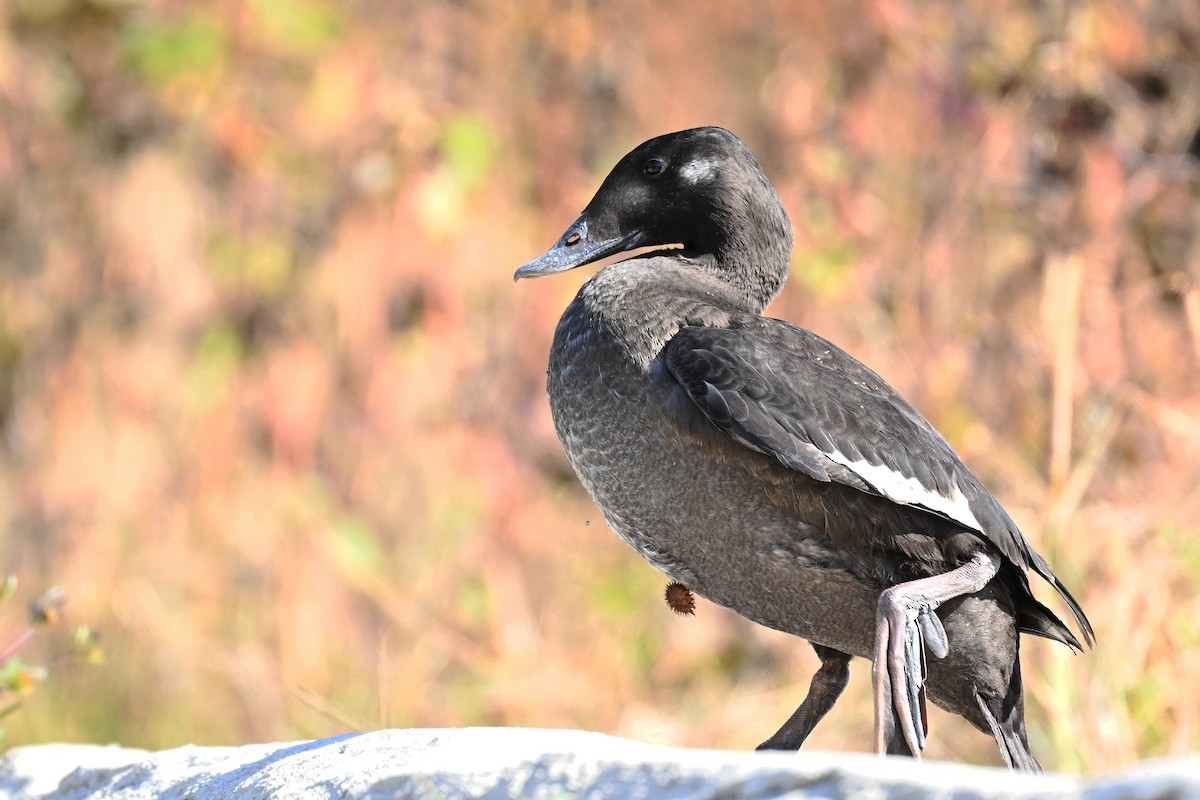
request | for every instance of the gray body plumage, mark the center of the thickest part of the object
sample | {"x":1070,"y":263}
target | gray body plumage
{"x":757,"y":463}
{"x":729,"y":522}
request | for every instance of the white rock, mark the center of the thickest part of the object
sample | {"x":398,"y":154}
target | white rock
{"x":500,"y":763}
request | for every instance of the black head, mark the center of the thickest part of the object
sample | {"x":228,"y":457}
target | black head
{"x":700,"y":188}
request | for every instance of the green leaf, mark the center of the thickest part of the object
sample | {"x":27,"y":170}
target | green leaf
{"x":8,"y":589}
{"x":21,"y":677}
{"x":162,"y":52}
{"x":208,"y":377}
{"x":259,"y":263}
{"x":468,"y":148}
{"x":825,"y":271}
{"x":356,"y":549}
{"x":87,"y":646}
{"x":299,"y":27}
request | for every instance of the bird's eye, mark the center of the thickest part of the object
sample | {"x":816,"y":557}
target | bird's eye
{"x":654,"y":166}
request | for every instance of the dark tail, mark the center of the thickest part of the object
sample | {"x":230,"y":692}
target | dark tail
{"x":1006,"y":718}
{"x":1032,"y":616}
{"x":1035,"y":618}
{"x":1042,"y":568}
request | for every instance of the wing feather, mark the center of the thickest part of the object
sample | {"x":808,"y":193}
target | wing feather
{"x":788,"y":393}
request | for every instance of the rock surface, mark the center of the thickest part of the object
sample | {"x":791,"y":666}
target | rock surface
{"x":498,"y":763}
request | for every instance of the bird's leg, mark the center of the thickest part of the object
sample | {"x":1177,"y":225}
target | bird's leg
{"x":905,"y":626}
{"x":826,"y":687}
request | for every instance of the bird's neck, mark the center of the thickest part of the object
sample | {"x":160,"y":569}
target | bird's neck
{"x":640,"y":303}
{"x":751,"y":250}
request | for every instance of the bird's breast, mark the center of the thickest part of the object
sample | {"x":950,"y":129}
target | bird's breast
{"x":703,"y":509}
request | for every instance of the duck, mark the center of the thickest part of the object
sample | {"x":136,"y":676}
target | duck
{"x":764,"y":468}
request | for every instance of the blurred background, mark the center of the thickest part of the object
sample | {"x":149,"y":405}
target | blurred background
{"x":272,"y":410}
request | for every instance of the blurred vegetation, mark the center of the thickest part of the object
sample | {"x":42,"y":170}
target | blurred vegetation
{"x":19,"y":676}
{"x":271,"y":406}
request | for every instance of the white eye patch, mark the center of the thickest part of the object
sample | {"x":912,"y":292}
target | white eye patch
{"x":699,"y":170}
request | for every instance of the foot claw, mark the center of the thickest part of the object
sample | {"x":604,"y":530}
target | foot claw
{"x":905,"y":628}
{"x":902,"y":634}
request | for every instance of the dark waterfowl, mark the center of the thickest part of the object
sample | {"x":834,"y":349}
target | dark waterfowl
{"x":767,"y":470}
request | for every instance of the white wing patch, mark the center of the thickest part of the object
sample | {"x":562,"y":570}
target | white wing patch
{"x":699,"y":170}
{"x":909,"y":491}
